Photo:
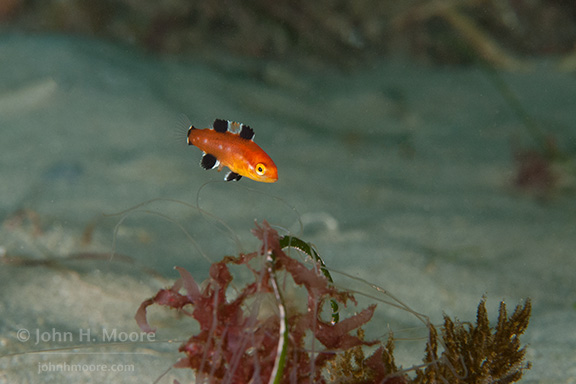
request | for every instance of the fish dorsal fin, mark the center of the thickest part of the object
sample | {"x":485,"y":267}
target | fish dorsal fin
{"x":220,"y":125}
{"x":242,"y":130}
{"x":246,"y":132}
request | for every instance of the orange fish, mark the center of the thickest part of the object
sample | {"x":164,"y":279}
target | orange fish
{"x":230,"y":144}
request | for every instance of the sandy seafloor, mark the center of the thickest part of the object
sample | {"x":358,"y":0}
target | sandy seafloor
{"x":401,"y":173}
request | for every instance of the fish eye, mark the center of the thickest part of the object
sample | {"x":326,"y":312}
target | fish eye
{"x":260,"y":169}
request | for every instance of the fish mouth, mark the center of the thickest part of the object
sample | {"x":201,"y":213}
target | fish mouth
{"x":268,"y":179}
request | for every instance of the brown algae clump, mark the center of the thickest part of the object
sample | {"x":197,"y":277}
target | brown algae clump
{"x":262,"y":333}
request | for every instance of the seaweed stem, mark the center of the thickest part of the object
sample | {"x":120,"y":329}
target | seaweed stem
{"x":279,"y":363}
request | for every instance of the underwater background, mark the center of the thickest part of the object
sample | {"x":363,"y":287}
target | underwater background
{"x":428,"y":148}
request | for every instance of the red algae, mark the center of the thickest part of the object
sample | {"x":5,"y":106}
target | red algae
{"x":238,"y":340}
{"x":255,"y":334}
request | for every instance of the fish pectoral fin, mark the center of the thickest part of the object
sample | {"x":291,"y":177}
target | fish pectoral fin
{"x":232,"y":176}
{"x":209,"y":161}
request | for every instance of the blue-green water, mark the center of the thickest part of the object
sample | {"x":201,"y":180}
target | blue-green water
{"x":401,"y":174}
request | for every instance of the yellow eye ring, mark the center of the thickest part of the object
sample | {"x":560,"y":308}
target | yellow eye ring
{"x":260,"y":169}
